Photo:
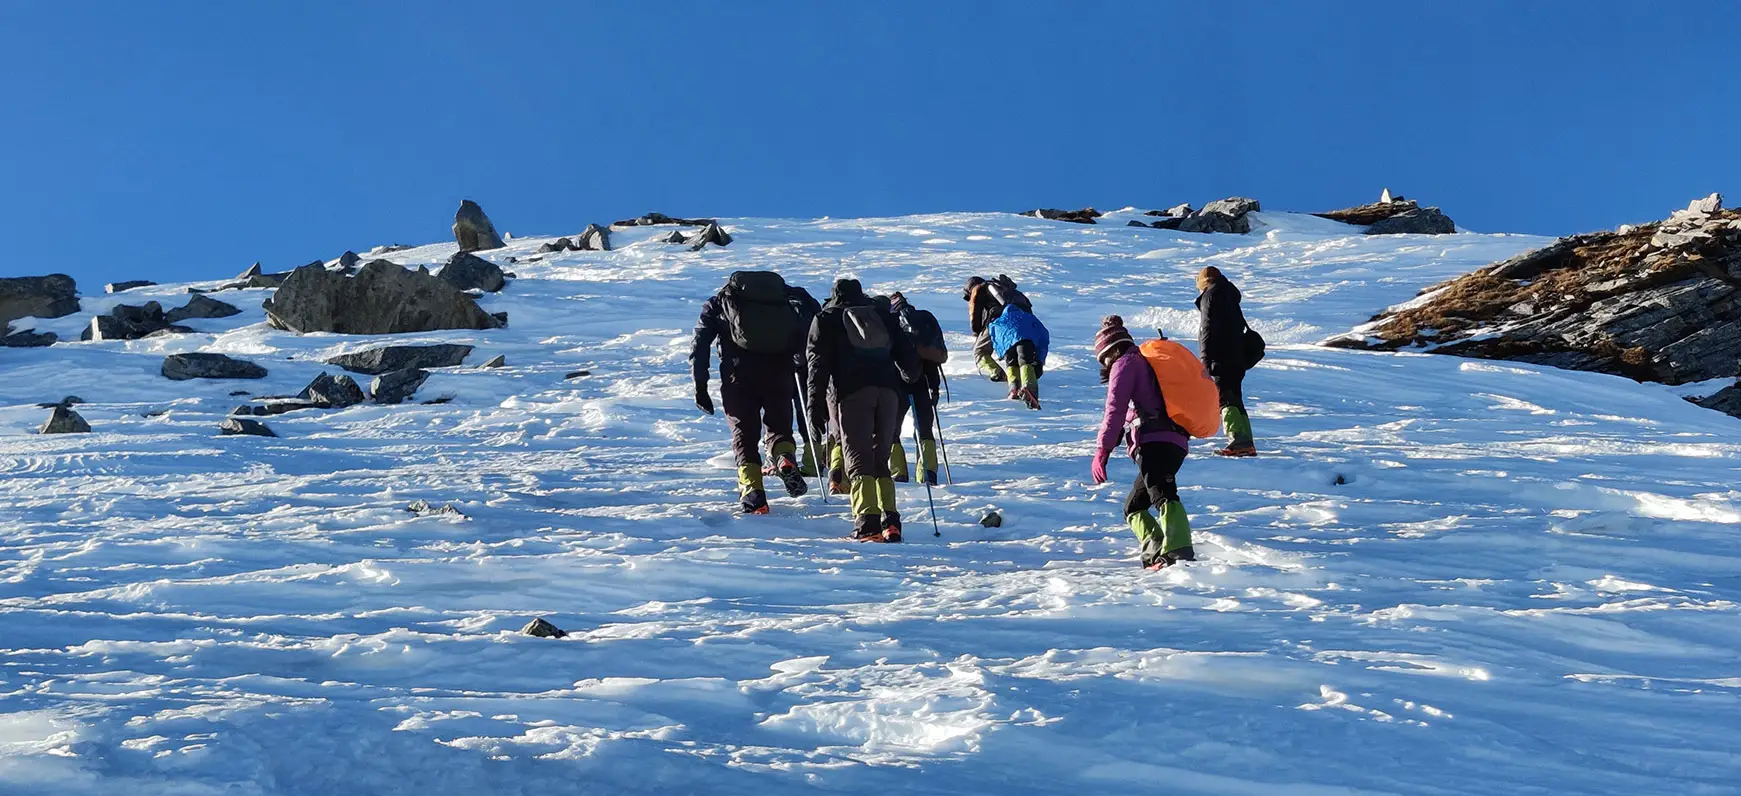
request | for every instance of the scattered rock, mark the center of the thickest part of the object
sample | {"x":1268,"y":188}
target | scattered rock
{"x":122,"y":287}
{"x":558,"y":245}
{"x":65,"y":421}
{"x":336,"y":392}
{"x":501,"y":318}
{"x":1367,"y":215}
{"x":376,"y":361}
{"x":674,"y":237}
{"x":130,"y":322}
{"x":28,"y":339}
{"x":68,"y":401}
{"x":1170,"y":223}
{"x":51,"y":296}
{"x":277,"y":406}
{"x":711,"y":234}
{"x":578,"y":374}
{"x":181,"y":367}
{"x":473,"y":230}
{"x":349,"y":260}
{"x":243,"y":426}
{"x":389,"y":249}
{"x":424,"y":508}
{"x":1610,"y":302}
{"x":1084,"y":216}
{"x":254,"y":277}
{"x":542,"y":629}
{"x":594,"y":239}
{"x":1176,"y":211}
{"x":1135,"y":223}
{"x":1226,"y":216}
{"x":383,"y":298}
{"x":471,"y":272}
{"x":1727,"y":400}
{"x":654,"y":219}
{"x":1421,"y":221}
{"x":395,"y":387}
{"x":201,"y":307}
{"x":991,"y":519}
{"x":496,"y":361}
{"x":234,"y":393}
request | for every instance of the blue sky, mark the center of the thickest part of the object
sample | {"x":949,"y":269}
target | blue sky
{"x":182,"y":140}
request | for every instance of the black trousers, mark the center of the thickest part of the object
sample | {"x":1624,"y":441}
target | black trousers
{"x":1022,"y":353}
{"x":1230,"y":383}
{"x":918,"y":400}
{"x":754,"y":401}
{"x":1157,"y":465}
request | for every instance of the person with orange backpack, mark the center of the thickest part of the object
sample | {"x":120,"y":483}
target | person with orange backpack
{"x":1137,"y":411}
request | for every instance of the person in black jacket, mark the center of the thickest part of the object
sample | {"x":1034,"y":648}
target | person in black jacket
{"x":758,"y":390}
{"x":857,"y":352}
{"x":808,"y":443}
{"x":983,"y":307}
{"x":1222,"y":345}
{"x":922,"y":331}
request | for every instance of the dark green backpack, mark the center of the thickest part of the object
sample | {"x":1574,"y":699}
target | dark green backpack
{"x":758,"y":316}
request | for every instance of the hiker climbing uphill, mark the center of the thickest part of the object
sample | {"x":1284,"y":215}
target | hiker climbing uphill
{"x":758,"y":332}
{"x":857,"y":353}
{"x":982,"y":308}
{"x":1020,"y":340}
{"x":809,"y":440}
{"x":1137,"y":411}
{"x":925,"y":335}
{"x":1228,"y":348}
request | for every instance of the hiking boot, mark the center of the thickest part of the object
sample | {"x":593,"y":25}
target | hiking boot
{"x":1031,"y":397}
{"x":1238,"y":450}
{"x":837,"y":482}
{"x":867,"y":528}
{"x":1170,"y":558}
{"x":1015,"y":391}
{"x":892,"y":528}
{"x":930,"y":478}
{"x":787,"y":469}
{"x":755,"y":501}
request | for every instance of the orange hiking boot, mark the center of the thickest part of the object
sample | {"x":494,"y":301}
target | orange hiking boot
{"x":1238,"y":450}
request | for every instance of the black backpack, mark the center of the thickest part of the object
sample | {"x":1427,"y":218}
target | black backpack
{"x":922,"y":328}
{"x":758,"y":316}
{"x":1254,"y":348}
{"x":1004,"y":290}
{"x":867,"y":335}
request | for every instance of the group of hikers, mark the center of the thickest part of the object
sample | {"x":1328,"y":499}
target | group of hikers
{"x":823,"y":387}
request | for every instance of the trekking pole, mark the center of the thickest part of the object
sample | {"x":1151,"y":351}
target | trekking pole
{"x":809,"y":442}
{"x":946,"y":394}
{"x":942,"y":447}
{"x":935,"y":531}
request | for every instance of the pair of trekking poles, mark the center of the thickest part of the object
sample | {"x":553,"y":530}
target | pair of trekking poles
{"x":817,"y":452}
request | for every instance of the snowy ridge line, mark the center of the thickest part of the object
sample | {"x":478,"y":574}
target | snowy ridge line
{"x":1444,"y":576}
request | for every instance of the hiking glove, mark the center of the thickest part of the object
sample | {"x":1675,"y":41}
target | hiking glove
{"x":1098,"y":468}
{"x":702,"y":400}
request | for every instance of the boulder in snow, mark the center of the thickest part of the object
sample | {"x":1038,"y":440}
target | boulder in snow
{"x":593,"y":239}
{"x":991,"y":519}
{"x":383,"y":298}
{"x":1084,"y":216}
{"x":471,"y":272}
{"x":653,"y":219}
{"x":51,"y":296}
{"x":131,"y":322}
{"x":713,"y":234}
{"x":201,"y":306}
{"x":336,"y":392}
{"x":473,"y":230}
{"x":1420,"y":221}
{"x":395,"y":387}
{"x":241,"y":426}
{"x":496,"y":361}
{"x":542,"y":629}
{"x":1225,"y":216}
{"x":1176,"y":211}
{"x":1367,"y":215}
{"x":27,"y":339}
{"x":386,"y":359}
{"x":181,"y":367}
{"x":62,"y":420}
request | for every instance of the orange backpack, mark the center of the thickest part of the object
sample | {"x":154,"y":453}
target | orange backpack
{"x":1192,"y":400}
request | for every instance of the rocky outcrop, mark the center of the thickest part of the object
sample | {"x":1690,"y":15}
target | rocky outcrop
{"x":255,"y":277}
{"x":1176,"y":211}
{"x":673,"y":237}
{"x":201,"y":307}
{"x":473,"y":230}
{"x":1657,"y":302}
{"x":382,"y":298}
{"x":712,"y":233}
{"x":496,"y":361}
{"x":540,"y":628}
{"x":51,"y":296}
{"x":655,"y":219}
{"x":349,"y":261}
{"x":594,"y":239}
{"x":333,"y":392}
{"x":471,"y":272}
{"x":27,"y":339}
{"x":386,"y":359}
{"x":1424,"y":221}
{"x":62,"y":420}
{"x":241,"y":426}
{"x":1084,"y":216}
{"x":131,"y":322}
{"x":1226,"y":216}
{"x":1727,"y":400}
{"x":395,"y":387}
{"x":122,"y":287}
{"x":1367,"y":215}
{"x":181,"y":367}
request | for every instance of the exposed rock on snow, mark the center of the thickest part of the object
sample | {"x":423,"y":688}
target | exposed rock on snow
{"x":349,"y":261}
{"x":1367,"y":215}
{"x":673,"y":237}
{"x":558,"y":245}
{"x":473,"y":230}
{"x":241,"y":426}
{"x":1084,"y":216}
{"x":542,"y":629}
{"x":255,"y":277}
{"x":395,"y":387}
{"x":424,"y":508}
{"x":201,"y":307}
{"x":1423,"y":221}
{"x":27,"y":339}
{"x":471,"y":272}
{"x":376,"y":361}
{"x":336,"y":392}
{"x":1658,"y":302}
{"x":991,"y":519}
{"x":276,"y":406}
{"x":654,"y":219}
{"x":1223,"y":216}
{"x":496,"y":361}
{"x":595,"y":238}
{"x":51,"y":296}
{"x":711,"y":234}
{"x":181,"y":367}
{"x":383,"y":298}
{"x":68,"y":401}
{"x":131,"y":322}
{"x":122,"y":287}
{"x":1176,"y":211}
{"x":1727,"y":400}
{"x":65,"y":421}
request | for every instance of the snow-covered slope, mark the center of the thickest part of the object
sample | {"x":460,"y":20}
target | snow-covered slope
{"x":1444,"y":576}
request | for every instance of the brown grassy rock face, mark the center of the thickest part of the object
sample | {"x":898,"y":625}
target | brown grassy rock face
{"x":1658,"y":302}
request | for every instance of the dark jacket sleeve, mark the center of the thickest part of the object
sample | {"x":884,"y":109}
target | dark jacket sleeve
{"x":819,"y":360}
{"x":707,"y":330}
{"x":1221,"y":333}
{"x":906,"y":357}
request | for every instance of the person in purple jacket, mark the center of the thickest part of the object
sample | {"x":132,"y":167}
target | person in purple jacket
{"x":1137,"y":412}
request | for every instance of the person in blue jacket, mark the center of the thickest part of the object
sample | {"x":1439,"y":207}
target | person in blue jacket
{"x":1020,"y":340}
